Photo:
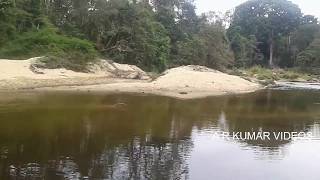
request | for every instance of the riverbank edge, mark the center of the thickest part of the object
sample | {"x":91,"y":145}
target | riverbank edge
{"x":117,"y":86}
{"x":270,"y":77}
{"x":184,"y":82}
{"x":140,"y":88}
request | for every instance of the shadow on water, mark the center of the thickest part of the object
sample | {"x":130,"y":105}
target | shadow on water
{"x":95,"y":136}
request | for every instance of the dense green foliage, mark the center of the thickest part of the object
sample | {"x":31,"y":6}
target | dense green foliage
{"x":27,"y":32}
{"x":158,"y":34}
{"x":62,"y":51}
{"x":152,"y":35}
{"x":274,"y":33}
{"x":310,"y":57}
{"x":41,"y":42}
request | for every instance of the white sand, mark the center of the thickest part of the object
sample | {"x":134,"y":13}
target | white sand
{"x":202,"y":79}
{"x":182,"y":82}
{"x":15,"y":69}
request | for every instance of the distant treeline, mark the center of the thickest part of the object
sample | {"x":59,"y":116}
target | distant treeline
{"x":158,"y":34}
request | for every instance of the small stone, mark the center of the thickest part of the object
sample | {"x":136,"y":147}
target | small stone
{"x":183,"y":93}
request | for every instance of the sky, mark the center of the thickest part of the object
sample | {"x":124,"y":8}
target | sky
{"x":307,"y":6}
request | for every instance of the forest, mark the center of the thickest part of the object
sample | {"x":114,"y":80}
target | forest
{"x":159,"y":34}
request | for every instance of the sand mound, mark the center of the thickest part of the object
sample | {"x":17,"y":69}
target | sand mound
{"x":202,"y":79}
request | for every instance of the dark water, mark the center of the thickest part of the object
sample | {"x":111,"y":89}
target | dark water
{"x":86,"y":136}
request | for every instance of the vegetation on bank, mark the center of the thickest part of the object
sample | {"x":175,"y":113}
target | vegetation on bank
{"x":158,"y":34}
{"x":58,"y":51}
{"x":267,"y":76}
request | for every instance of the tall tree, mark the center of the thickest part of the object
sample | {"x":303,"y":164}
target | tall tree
{"x":310,"y":57}
{"x":208,"y":46}
{"x":6,"y":20}
{"x":245,"y":49}
{"x":309,"y":19}
{"x":166,"y":14}
{"x":267,"y":20}
{"x":188,"y":20}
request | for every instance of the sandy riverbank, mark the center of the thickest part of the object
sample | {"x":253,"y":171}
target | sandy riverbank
{"x":182,"y":82}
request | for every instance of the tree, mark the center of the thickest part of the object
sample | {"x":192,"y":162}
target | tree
{"x":59,"y":12}
{"x":166,"y":14}
{"x":209,"y":46}
{"x":128,"y":33}
{"x":188,"y":21}
{"x":310,"y":58}
{"x":309,"y":19}
{"x":245,"y":49}
{"x":150,"y":43}
{"x":267,"y":20}
{"x":4,"y":5}
{"x":306,"y":41}
{"x":288,"y":47}
{"x":6,"y":20}
{"x":156,"y":34}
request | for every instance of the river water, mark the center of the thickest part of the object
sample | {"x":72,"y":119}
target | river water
{"x":97,"y":136}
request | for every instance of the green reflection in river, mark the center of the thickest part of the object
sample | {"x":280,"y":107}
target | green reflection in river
{"x":72,"y":136}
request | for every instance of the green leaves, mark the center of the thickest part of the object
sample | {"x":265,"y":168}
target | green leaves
{"x":4,"y":6}
{"x":310,"y":58}
{"x":160,"y":34}
{"x":267,"y":21}
{"x":61,"y":51}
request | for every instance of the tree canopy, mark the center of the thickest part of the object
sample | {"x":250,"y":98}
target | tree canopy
{"x":158,"y":34}
{"x":267,"y":20}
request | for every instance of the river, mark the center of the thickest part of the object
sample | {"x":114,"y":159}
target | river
{"x":125,"y":136}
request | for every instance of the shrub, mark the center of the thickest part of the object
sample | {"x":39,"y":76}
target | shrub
{"x":59,"y":50}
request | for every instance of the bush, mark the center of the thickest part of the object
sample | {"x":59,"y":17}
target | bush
{"x":310,"y":58}
{"x":59,"y":50}
{"x":277,"y":74}
{"x":262,"y":73}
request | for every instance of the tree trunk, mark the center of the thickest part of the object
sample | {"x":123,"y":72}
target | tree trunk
{"x":271,"y":50}
{"x":99,"y":44}
{"x":271,"y":54}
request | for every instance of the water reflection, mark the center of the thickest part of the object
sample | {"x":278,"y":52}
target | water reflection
{"x":86,"y":136}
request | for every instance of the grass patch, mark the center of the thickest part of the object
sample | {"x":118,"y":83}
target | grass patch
{"x":265,"y":74}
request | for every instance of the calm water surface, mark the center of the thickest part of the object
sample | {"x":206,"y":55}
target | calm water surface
{"x":91,"y":136}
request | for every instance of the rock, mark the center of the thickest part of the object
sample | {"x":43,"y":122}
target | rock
{"x":200,"y":68}
{"x":125,"y":71}
{"x":131,"y":75}
{"x":300,"y":80}
{"x":183,"y":93}
{"x":314,"y":80}
{"x":35,"y":69}
{"x":123,"y":67}
{"x":107,"y":68}
{"x":92,"y":68}
{"x":267,"y":82}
